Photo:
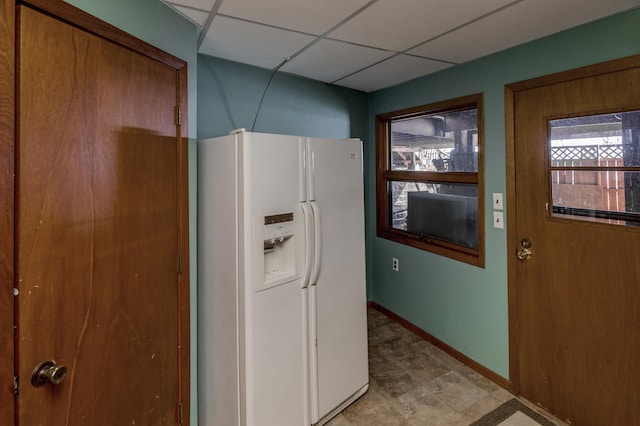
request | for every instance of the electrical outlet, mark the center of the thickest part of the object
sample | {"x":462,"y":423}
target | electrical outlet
{"x":396,"y":264}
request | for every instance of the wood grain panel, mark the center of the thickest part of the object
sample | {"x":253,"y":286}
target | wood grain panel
{"x":82,"y":19}
{"x":577,"y":302}
{"x":101,"y":208}
{"x":7,"y":119}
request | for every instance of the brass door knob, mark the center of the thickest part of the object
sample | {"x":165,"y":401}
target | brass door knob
{"x":48,"y":372}
{"x":524,"y":253}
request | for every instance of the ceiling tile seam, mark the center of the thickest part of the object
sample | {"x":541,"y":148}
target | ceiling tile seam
{"x":472,"y":21}
{"x":389,"y":58}
{"x":353,"y":43}
{"x":366,"y":68}
{"x":329,"y":31}
{"x":185,"y":16}
{"x":184,"y":6}
{"x":404,"y":52}
{"x":275,"y":27}
{"x":323,"y":36}
{"x":309,"y":45}
{"x":395,"y":52}
{"x":347,"y":19}
{"x":415,"y":55}
{"x":207,"y":24}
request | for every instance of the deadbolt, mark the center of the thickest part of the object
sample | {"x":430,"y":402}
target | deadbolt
{"x":526,"y":243}
{"x":47,"y":372}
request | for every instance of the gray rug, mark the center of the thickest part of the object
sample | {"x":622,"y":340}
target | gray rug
{"x":513,"y":413}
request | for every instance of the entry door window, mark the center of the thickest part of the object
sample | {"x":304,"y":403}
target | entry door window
{"x":595,"y":168}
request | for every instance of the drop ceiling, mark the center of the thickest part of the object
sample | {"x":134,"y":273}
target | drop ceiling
{"x":369,"y":45}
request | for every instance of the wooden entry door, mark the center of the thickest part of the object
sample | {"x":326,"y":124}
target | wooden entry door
{"x":98,"y":230}
{"x":578,"y":295}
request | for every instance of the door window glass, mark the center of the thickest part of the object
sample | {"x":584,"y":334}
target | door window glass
{"x":595,"y":167}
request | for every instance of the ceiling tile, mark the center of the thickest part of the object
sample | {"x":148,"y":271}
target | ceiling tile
{"x":401,"y":24}
{"x":309,"y":16}
{"x":393,"y":71}
{"x":250,"y":43}
{"x":523,"y":22}
{"x":198,"y":17}
{"x":329,"y":60}
{"x":194,"y":4}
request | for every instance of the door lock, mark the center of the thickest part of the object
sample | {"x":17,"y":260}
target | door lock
{"x":48,"y":372}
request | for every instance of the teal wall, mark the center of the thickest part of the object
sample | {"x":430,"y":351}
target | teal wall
{"x":150,"y":21}
{"x":462,"y":305}
{"x":229,"y":94}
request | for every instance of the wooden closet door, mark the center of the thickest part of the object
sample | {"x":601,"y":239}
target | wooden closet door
{"x":97,"y":233}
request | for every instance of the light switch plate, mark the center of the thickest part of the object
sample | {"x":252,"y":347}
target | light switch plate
{"x":497,"y":201}
{"x":498,"y":220}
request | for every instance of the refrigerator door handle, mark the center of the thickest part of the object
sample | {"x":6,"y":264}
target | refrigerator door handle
{"x":315,"y":272}
{"x":308,"y":243}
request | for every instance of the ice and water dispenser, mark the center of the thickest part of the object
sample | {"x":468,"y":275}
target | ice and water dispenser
{"x":279,"y":249}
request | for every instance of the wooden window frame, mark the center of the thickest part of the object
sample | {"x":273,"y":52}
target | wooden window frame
{"x":384,"y":175}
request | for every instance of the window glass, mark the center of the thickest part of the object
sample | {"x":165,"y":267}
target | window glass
{"x":440,"y":142}
{"x":595,"y":167}
{"x":437,"y":211}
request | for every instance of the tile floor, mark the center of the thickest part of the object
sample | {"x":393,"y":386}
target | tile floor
{"x":414,"y":383}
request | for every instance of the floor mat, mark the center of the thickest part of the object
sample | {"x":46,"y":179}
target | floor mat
{"x":513,"y":413}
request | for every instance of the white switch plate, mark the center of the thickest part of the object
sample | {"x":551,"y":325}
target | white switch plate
{"x":497,"y":201}
{"x":498,"y":220}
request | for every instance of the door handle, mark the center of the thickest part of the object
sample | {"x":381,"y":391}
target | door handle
{"x":524,"y":253}
{"x":48,"y":372}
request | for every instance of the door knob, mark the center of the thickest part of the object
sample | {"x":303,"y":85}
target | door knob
{"x":48,"y":372}
{"x":524,"y":253}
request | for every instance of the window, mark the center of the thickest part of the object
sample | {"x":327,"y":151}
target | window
{"x":595,"y":168}
{"x":429,"y":178}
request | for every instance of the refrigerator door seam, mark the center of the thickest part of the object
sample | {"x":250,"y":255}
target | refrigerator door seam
{"x":313,"y":356}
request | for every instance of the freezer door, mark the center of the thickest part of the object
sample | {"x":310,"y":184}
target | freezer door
{"x":274,"y":344}
{"x":270,"y":190}
{"x":340,"y":364}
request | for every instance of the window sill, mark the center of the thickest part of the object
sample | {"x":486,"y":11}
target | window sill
{"x":460,"y":253}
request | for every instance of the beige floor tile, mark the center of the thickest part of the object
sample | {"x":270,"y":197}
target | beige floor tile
{"x":414,"y":383}
{"x":456,"y":391}
{"x":482,"y":407}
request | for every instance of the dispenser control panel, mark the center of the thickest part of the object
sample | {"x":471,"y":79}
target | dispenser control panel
{"x":279,"y":250}
{"x":278,"y":228}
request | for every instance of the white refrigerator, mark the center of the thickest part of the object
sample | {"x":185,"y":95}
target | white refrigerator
{"x":282,"y":327}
